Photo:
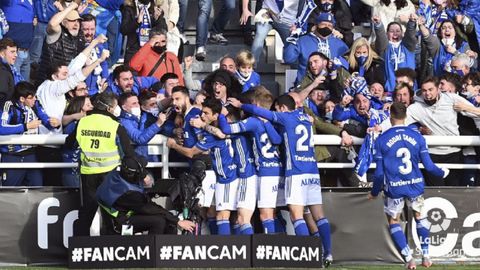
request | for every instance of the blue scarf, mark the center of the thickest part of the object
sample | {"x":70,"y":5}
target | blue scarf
{"x":396,"y":58}
{"x":17,"y":77}
{"x":365,"y":155}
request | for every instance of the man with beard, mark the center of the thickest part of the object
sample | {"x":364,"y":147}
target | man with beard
{"x":321,"y":39}
{"x":98,"y":77}
{"x":154,"y":60}
{"x":318,"y":67}
{"x":122,"y":80}
{"x":63,"y":42}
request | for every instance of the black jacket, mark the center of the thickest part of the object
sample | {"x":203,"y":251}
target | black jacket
{"x":7,"y":83}
{"x":129,"y":28}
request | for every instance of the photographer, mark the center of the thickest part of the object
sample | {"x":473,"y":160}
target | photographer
{"x":122,"y":196}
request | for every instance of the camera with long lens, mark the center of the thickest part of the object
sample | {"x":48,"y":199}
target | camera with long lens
{"x":184,"y":193}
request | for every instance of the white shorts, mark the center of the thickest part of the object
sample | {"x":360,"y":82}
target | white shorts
{"x":226,"y":196}
{"x":247,"y":193}
{"x":393,"y":207}
{"x":206,"y":197}
{"x":271,"y":191}
{"x":303,"y":189}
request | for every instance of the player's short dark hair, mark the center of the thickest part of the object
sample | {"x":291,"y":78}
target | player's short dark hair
{"x":119,"y":70}
{"x":398,"y":111}
{"x":124,"y":96}
{"x":167,"y":76}
{"x":233,"y":113}
{"x":214,"y":104}
{"x":24,"y":89}
{"x":433,"y":80}
{"x":406,"y":72}
{"x":181,"y":89}
{"x":88,"y":18}
{"x":7,"y":42}
{"x":286,"y":100}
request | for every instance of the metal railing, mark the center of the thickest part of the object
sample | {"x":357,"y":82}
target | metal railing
{"x":165,"y":164}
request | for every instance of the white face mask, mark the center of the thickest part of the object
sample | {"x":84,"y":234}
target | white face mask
{"x":154,"y":111}
{"x":395,"y":44}
{"x":117,"y":111}
{"x":448,"y":41}
{"x":136,"y":111}
{"x":468,"y":94}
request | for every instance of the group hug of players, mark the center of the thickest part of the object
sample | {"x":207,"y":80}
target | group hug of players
{"x":265,"y":158}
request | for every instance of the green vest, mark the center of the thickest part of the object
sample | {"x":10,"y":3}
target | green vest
{"x":96,"y":136}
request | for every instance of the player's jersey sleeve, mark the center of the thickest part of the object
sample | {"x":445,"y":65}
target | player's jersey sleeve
{"x":269,"y":115}
{"x":426,"y":160}
{"x":272,"y":133}
{"x":205,"y":143}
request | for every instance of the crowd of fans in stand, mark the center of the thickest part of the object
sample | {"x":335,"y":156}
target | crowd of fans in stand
{"x":56,"y":56}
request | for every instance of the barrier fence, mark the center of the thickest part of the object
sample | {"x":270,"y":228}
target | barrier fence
{"x":160,"y":141}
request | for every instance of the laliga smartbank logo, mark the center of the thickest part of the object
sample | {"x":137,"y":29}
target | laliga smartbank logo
{"x":439,"y":213}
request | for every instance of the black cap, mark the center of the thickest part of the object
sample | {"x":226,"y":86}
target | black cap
{"x":134,"y":163}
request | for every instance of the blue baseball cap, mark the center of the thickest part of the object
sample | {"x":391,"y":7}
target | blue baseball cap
{"x":325,"y":17}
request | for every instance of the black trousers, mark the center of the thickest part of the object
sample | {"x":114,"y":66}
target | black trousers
{"x":453,"y":178}
{"x":89,"y":205}
{"x":51,"y":177}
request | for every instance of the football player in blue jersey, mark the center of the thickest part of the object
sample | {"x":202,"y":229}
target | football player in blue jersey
{"x":302,"y":181}
{"x":183,"y":107}
{"x":271,"y":191}
{"x":225,"y":169}
{"x":398,"y":152}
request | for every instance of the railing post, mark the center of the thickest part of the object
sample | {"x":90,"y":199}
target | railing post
{"x":165,"y":152}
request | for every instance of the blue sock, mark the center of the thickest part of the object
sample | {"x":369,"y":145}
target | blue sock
{"x":268,"y":226}
{"x":423,"y":234}
{"x":236,"y":229}
{"x":300,"y":227}
{"x":279,"y":224}
{"x":400,"y":241}
{"x":246,"y":229}
{"x":212,"y":225}
{"x":223,"y":226}
{"x":324,"y":232}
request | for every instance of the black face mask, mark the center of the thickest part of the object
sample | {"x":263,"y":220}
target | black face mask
{"x":324,"y":31}
{"x":326,"y":7}
{"x":159,"y":49}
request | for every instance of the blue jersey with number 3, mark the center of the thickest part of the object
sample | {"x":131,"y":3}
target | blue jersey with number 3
{"x":398,"y":152}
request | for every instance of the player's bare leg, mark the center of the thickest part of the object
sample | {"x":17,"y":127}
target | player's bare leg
{"x":244,"y":217}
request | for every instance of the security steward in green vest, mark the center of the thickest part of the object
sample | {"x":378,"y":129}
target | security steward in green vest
{"x":103,"y":142}
{"x":123,"y":197}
